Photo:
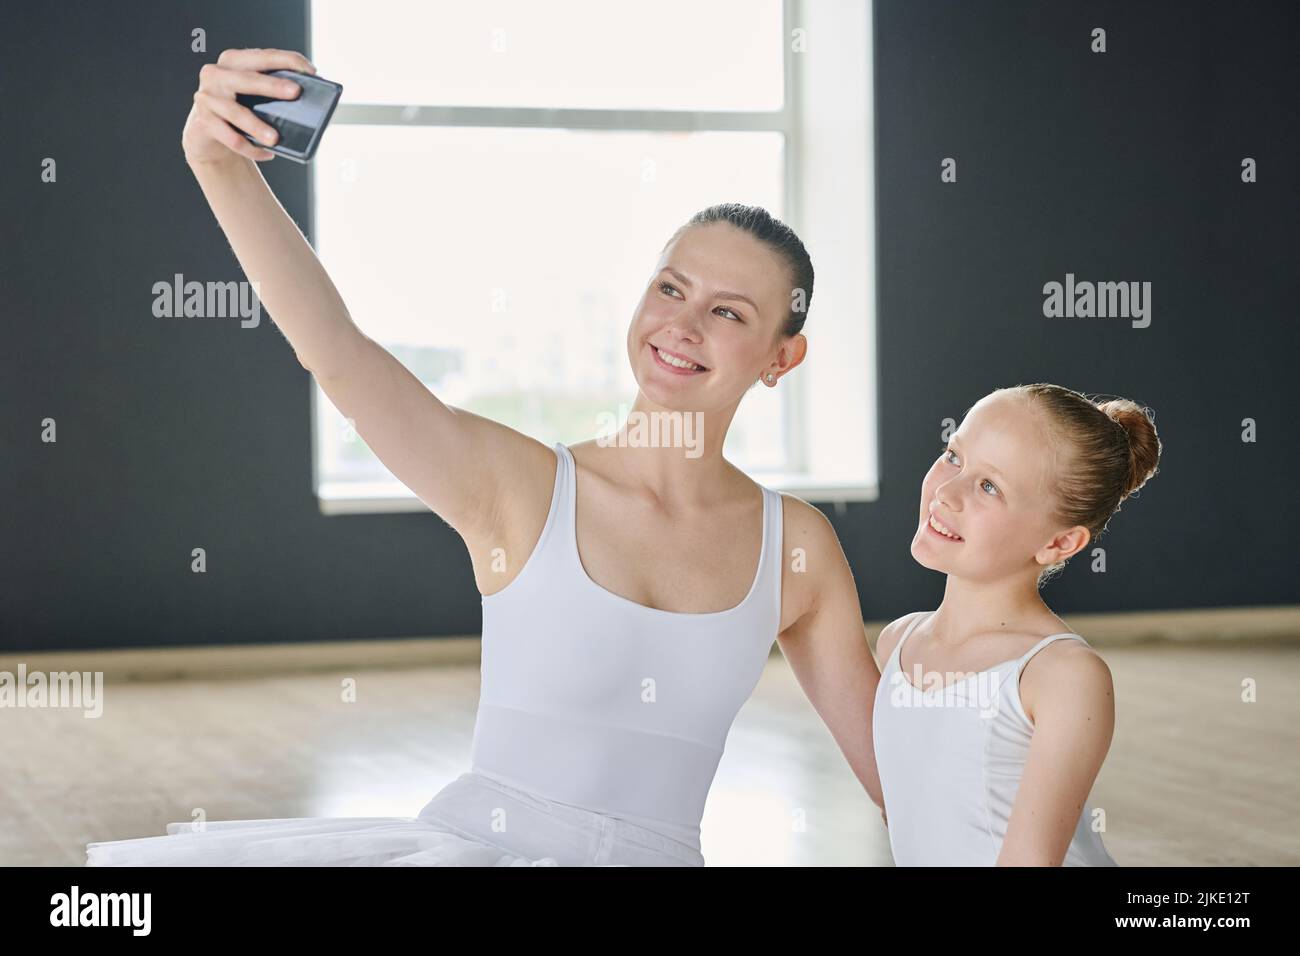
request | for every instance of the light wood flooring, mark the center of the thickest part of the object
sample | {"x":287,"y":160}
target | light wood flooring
{"x":1194,"y":777}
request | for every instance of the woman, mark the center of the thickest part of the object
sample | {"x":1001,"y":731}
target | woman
{"x":631,"y":592}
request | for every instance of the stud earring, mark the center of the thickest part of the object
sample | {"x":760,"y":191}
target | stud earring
{"x":770,"y":378}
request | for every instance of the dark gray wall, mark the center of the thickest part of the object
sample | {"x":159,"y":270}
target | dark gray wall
{"x":176,"y":433}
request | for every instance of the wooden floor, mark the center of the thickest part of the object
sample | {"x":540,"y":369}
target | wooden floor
{"x":1195,"y":775}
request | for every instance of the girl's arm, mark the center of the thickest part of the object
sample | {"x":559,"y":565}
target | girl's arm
{"x":1074,"y":719}
{"x":452,"y":459}
{"x":827,"y":647}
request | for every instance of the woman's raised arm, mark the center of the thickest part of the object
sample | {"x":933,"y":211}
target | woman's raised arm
{"x":451,"y":459}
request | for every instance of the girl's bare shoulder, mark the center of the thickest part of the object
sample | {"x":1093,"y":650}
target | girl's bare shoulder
{"x":890,"y":635}
{"x":1068,"y":671}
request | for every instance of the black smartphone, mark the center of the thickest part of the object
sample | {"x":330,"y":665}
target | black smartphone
{"x":299,"y":121}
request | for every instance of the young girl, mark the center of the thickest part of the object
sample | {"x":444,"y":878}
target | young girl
{"x":991,"y":717}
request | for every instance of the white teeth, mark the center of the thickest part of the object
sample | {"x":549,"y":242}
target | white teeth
{"x":671,"y":360}
{"x":942,"y":530}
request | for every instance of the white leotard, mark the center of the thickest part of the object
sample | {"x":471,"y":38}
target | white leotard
{"x":593,"y":700}
{"x":600,"y":726}
{"x":950,"y":762}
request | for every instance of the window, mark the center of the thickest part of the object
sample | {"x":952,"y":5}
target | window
{"x":499,"y":178}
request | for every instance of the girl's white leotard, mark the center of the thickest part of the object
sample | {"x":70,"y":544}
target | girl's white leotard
{"x":600,"y":726}
{"x":950,"y":761}
{"x":593,"y":700}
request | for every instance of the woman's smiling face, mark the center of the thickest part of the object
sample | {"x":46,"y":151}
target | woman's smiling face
{"x":716,"y":301}
{"x":991,"y":488}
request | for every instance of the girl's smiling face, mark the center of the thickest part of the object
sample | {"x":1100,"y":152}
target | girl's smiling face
{"x":991,"y":491}
{"x":717,"y":300}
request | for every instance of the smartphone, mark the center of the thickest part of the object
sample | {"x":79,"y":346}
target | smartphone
{"x":299,"y":121}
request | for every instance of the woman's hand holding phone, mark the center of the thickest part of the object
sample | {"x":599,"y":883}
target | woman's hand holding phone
{"x":210,"y":135}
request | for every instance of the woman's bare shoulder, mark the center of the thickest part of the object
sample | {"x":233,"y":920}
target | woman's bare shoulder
{"x":522,"y":470}
{"x":816,"y":567}
{"x":805,"y":524}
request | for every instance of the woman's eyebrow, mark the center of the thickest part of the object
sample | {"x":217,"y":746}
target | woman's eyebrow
{"x":721,"y":295}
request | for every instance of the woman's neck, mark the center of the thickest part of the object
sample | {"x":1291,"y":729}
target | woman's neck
{"x":673,"y":455}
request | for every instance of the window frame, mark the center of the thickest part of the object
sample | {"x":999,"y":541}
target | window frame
{"x":786,"y":121}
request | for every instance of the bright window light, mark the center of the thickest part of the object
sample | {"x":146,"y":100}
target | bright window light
{"x":497,"y":183}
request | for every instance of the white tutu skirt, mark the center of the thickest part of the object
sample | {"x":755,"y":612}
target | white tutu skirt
{"x":307,"y":841}
{"x":474,"y":821}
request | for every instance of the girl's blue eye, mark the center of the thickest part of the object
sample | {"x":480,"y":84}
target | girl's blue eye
{"x":665,"y":285}
{"x":733,"y":314}
{"x":949,"y":455}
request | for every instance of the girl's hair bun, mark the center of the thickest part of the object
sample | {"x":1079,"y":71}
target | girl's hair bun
{"x":1143,"y":443}
{"x":1107,"y":449}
